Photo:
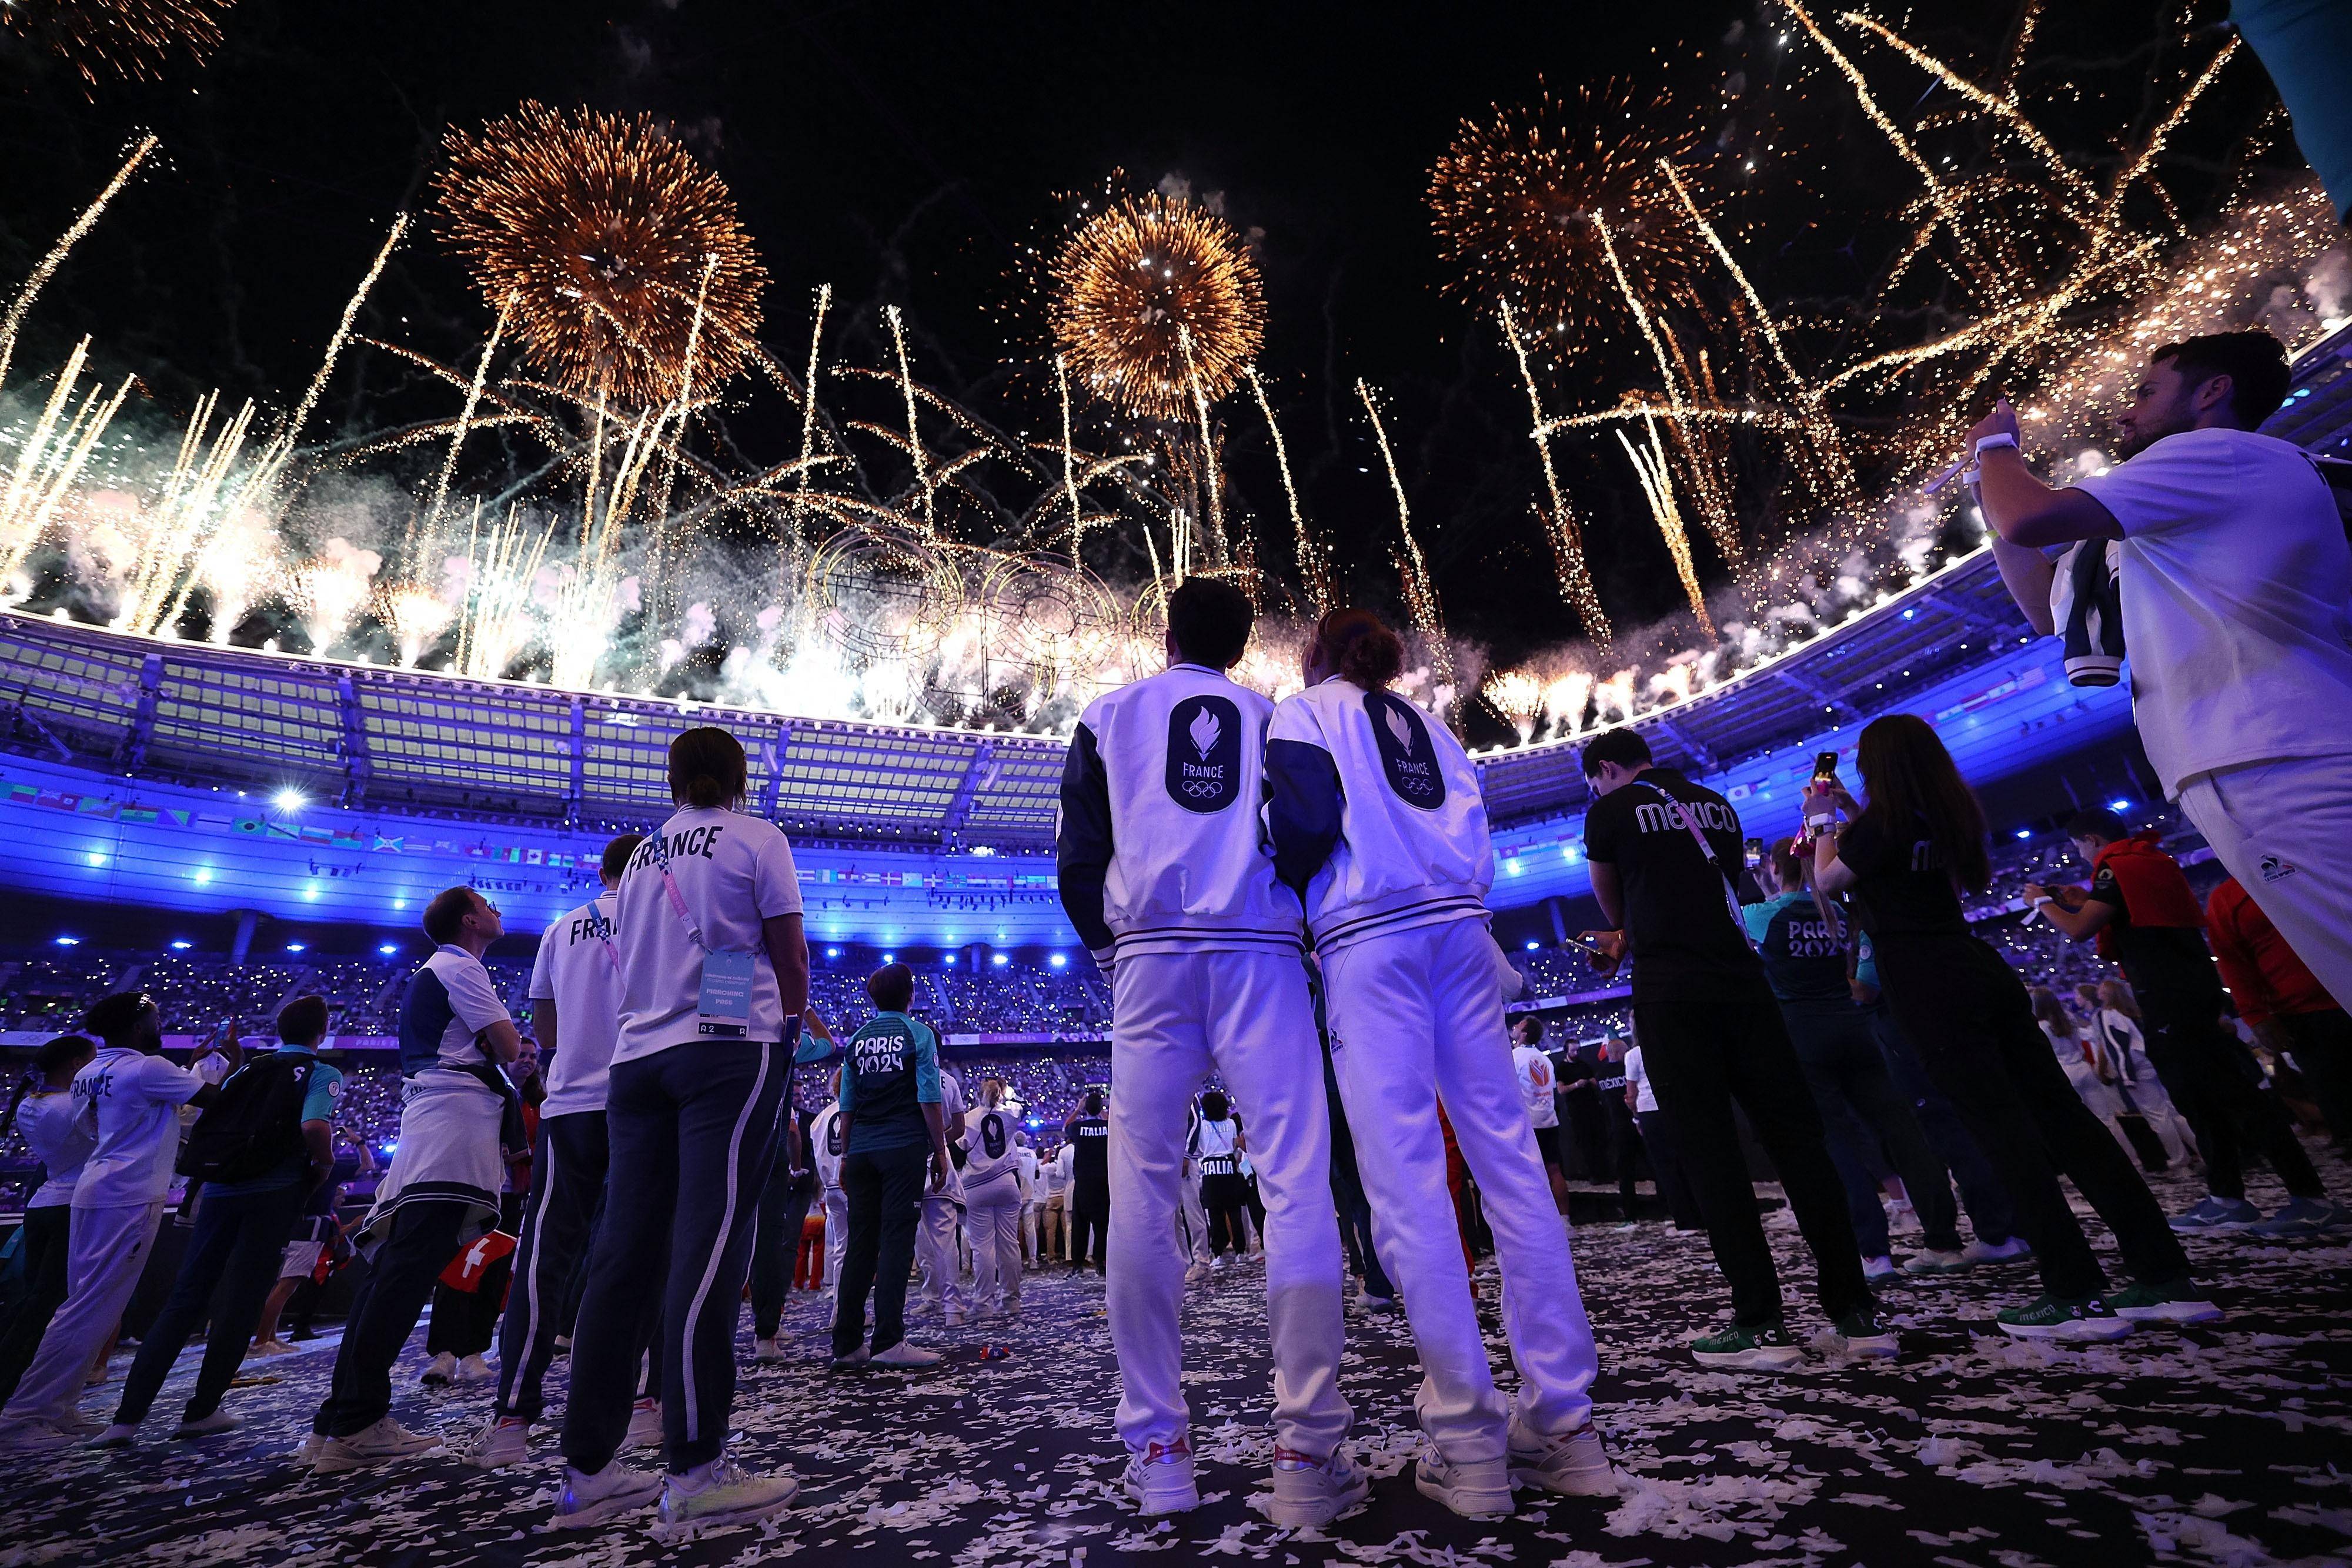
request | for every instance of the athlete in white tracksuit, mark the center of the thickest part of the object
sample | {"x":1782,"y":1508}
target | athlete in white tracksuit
{"x":935,"y":1243}
{"x":993,"y":1140}
{"x":826,"y":1143}
{"x":1376,"y":815}
{"x":1165,"y":874}
{"x":1192,"y":1229}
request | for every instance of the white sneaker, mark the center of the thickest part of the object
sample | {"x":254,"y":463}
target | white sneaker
{"x":1572,"y":1464}
{"x":1196,"y":1273}
{"x":768,"y":1350}
{"x":723,"y":1491}
{"x":954,"y":1318}
{"x":587,"y":1502}
{"x":267,"y":1347}
{"x":34,"y":1437}
{"x":645,"y":1425}
{"x":441,"y":1371}
{"x":387,"y":1439}
{"x":502,"y":1440}
{"x":218,"y":1421}
{"x":2008,"y":1251}
{"x":1879,"y":1267}
{"x":473,"y":1369}
{"x":1160,"y":1479}
{"x":904,"y":1355}
{"x":121,"y":1435}
{"x":1310,"y":1492}
{"x":308,"y":1453}
{"x":1480,"y":1489}
{"x":1928,"y":1262}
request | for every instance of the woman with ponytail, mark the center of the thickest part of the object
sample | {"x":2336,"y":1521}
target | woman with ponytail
{"x":1378,"y":822}
{"x":43,"y":1109}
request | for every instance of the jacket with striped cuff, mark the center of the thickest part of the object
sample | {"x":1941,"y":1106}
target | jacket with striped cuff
{"x":1162,"y":843}
{"x":2086,"y":604}
{"x":1376,"y":814}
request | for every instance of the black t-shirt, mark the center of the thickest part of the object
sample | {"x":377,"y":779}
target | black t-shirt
{"x":2170,"y":969}
{"x":1904,"y":890}
{"x":1090,"y":1157}
{"x":1676,"y":919}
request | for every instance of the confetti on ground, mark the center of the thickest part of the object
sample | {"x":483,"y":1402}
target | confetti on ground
{"x":2227,"y":1444}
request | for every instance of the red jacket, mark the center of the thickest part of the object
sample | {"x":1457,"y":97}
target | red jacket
{"x":2262,"y":973}
{"x":2156,"y":890}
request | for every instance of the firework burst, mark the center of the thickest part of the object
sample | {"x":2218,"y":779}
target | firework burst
{"x":1156,"y":305}
{"x":1521,"y":200}
{"x":133,"y":39}
{"x":599,"y":234}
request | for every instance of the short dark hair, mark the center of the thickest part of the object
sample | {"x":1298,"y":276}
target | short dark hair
{"x":445,"y":917}
{"x":1093,"y":1103}
{"x":707,"y":768}
{"x":891,"y":988}
{"x":111,"y":1017}
{"x":617,"y":853}
{"x":2254,"y":361}
{"x":1214,"y":1105}
{"x":1523,"y":1020}
{"x":1623,"y":747}
{"x":1358,"y":645}
{"x":303,"y":1020}
{"x":65,"y":1048}
{"x":1210,"y":619}
{"x":2097,"y":823}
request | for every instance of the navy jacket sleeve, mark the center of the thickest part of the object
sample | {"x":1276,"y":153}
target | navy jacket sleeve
{"x":1082,"y":849}
{"x":1302,"y":809}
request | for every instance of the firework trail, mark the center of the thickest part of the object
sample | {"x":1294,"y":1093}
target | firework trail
{"x":133,"y":39}
{"x":302,"y":416}
{"x":1658,"y":486}
{"x":47,"y":269}
{"x":1420,"y":592}
{"x":1314,"y":555}
{"x":458,"y":437}
{"x":1560,"y":523}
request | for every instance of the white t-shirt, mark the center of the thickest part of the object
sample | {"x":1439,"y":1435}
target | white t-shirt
{"x":1056,"y":1172}
{"x":825,"y":1144}
{"x":450,"y":1003}
{"x":1645,"y":1098}
{"x":135,"y":1100}
{"x":2237,"y":599}
{"x":733,"y":871}
{"x":579,"y":969}
{"x":1028,"y":1168}
{"x":1537,"y":1081}
{"x":61,"y":1138}
{"x":992,"y":1142}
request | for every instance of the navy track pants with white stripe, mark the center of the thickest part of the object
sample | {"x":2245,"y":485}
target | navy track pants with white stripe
{"x":692,"y":1132}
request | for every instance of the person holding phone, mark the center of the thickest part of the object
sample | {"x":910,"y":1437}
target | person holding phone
{"x":1904,"y":857}
{"x":1661,"y":849}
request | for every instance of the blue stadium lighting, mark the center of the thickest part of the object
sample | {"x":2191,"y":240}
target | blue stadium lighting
{"x":388,"y":948}
{"x":310,"y":891}
{"x":400,"y":903}
{"x":203,"y":877}
{"x":832,"y":952}
{"x":1513,"y":867}
{"x":948,"y":960}
{"x":1058,"y":959}
{"x":999,"y":959}
{"x":68,"y":941}
{"x":889,"y":957}
{"x":392,"y":1146}
{"x":182,"y":946}
{"x":2025,"y":833}
{"x":288,"y":800}
{"x":1531,"y":946}
{"x":2119,"y":804}
{"x":298,"y":946}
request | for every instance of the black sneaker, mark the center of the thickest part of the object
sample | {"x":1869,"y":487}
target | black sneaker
{"x":1765,"y":1347}
{"x":1860,"y":1333}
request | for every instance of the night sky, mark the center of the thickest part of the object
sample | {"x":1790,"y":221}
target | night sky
{"x":908,"y":153}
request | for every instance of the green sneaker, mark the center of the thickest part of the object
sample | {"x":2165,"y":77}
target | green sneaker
{"x":2178,"y":1302}
{"x":2080,"y":1318}
{"x":1765,"y":1347}
{"x":1860,"y":1333}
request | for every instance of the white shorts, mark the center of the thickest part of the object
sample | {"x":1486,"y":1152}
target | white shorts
{"x":302,"y":1259}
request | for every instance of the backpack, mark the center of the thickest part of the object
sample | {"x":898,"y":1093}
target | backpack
{"x":255,"y":1126}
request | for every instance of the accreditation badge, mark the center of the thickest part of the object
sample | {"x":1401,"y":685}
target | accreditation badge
{"x":726,"y":1001}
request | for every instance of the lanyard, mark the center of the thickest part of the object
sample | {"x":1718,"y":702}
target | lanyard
{"x":1690,"y":819}
{"x":676,"y":899}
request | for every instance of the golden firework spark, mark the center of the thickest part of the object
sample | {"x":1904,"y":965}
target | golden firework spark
{"x":1314,"y":552}
{"x":1420,"y":589}
{"x":1521,"y":199}
{"x":1139,"y":280}
{"x":133,"y":39}
{"x":15,"y":319}
{"x":1560,"y":523}
{"x":603,"y":229}
{"x":1649,"y":465}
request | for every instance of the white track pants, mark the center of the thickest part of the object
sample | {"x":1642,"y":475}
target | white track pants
{"x":1195,"y":1227}
{"x":935,"y":1254}
{"x":105,"y":1254}
{"x":2285,"y":830}
{"x":1175,"y":1016}
{"x":991,"y":1222}
{"x":836,"y":1236}
{"x":1416,"y":1017}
